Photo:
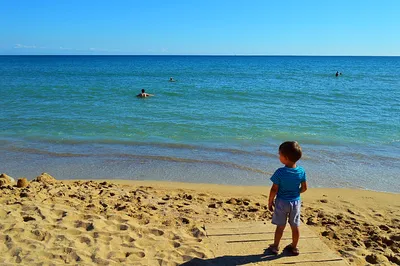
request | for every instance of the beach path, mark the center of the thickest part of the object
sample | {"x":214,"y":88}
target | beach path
{"x":244,"y":243}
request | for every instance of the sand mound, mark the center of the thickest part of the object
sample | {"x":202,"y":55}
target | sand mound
{"x":6,"y":180}
{"x":45,"y":178}
{"x":22,"y":182}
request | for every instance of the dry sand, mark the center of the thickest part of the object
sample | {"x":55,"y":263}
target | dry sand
{"x":51,"y":222}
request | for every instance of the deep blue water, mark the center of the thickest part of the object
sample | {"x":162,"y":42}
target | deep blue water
{"x":220,"y":122}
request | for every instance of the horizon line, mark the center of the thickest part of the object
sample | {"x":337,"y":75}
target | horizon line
{"x":197,"y":55}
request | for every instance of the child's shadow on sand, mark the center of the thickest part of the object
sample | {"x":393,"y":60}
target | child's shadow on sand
{"x":234,"y":260}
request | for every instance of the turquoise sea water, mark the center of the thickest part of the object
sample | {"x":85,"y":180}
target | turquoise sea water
{"x":220,"y":122}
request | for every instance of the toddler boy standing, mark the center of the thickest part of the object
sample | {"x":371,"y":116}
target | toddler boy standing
{"x":288,"y":182}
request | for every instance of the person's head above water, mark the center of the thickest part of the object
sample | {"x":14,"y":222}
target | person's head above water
{"x":143,"y":94}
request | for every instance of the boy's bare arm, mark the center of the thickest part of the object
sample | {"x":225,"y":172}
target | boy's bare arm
{"x":303,"y":187}
{"x":272,"y":194}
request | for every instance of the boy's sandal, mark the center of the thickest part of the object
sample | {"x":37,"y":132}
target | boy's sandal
{"x":293,"y":251}
{"x":274,"y":249}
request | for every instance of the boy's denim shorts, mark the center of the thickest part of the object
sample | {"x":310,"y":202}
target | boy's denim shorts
{"x":286,"y":209}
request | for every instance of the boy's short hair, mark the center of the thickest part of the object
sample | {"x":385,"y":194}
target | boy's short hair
{"x":292,"y":150}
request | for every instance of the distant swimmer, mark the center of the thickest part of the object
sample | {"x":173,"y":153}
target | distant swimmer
{"x":143,"y":94}
{"x":338,"y":73}
{"x":171,"y":79}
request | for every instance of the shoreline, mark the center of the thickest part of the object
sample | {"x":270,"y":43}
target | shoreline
{"x":326,"y":166}
{"x":121,"y":221}
{"x":236,"y":170}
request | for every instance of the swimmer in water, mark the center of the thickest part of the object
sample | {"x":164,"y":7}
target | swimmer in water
{"x":143,"y":94}
{"x":171,"y":79}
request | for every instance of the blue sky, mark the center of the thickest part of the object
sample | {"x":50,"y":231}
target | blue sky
{"x":201,"y":27}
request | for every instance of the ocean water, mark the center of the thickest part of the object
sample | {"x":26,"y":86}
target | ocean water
{"x":220,"y":122}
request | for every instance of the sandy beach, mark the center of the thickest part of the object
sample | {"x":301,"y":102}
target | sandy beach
{"x":50,"y":222}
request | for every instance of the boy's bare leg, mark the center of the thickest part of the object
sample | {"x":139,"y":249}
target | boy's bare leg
{"x":295,"y":235}
{"x":278,"y":234}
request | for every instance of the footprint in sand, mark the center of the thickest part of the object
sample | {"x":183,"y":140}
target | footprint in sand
{"x":116,"y":256}
{"x":40,"y":235}
{"x":140,"y":254}
{"x":81,"y":224}
{"x":156,"y":232}
{"x":28,"y":218}
{"x":176,"y":237}
{"x":85,"y":240}
{"x":8,"y":241}
{"x":196,"y":253}
{"x":127,"y":238}
{"x":106,"y":237}
{"x":176,"y":244}
{"x":123,"y":227}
